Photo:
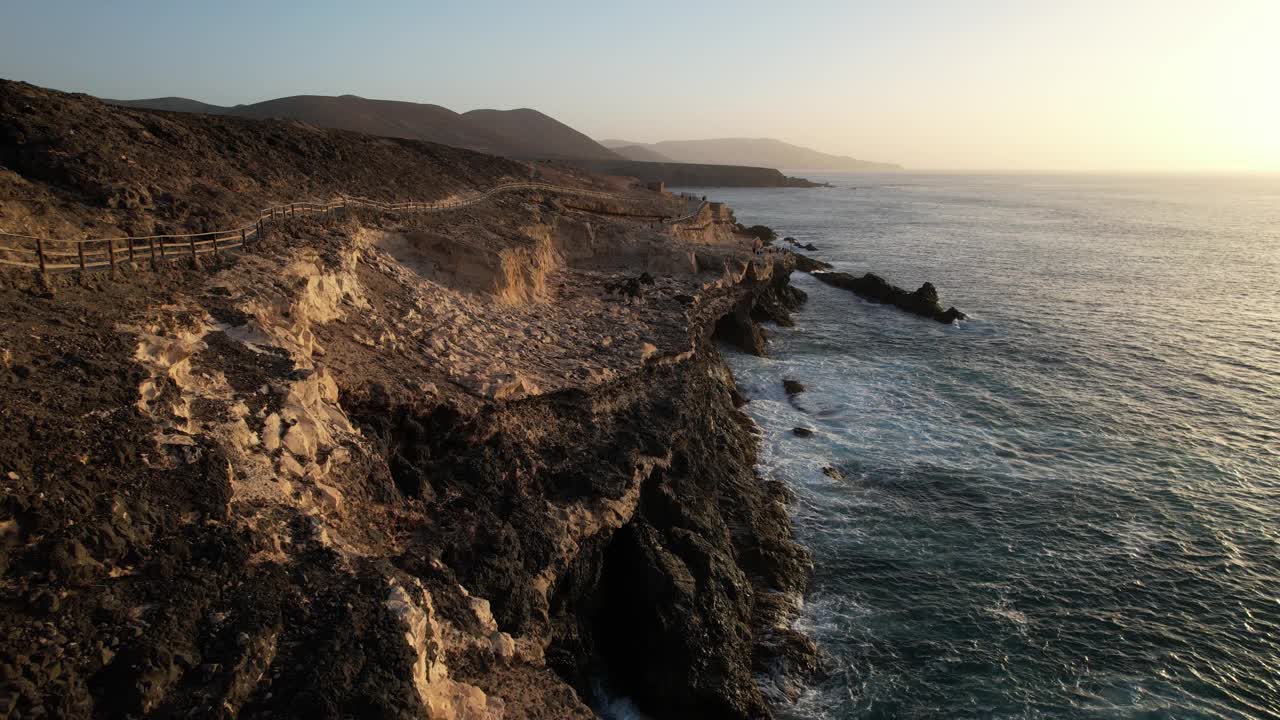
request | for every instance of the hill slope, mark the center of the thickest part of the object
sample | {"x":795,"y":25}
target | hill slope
{"x":765,"y":152}
{"x":533,"y":134}
{"x":388,"y":118}
{"x":523,"y":133}
{"x":173,"y":104}
{"x":640,"y":153}
{"x":74,"y":166}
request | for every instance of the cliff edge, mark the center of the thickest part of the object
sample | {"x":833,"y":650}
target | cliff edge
{"x":484,"y":463}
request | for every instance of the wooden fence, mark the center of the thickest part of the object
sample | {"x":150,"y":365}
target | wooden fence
{"x":50,"y":254}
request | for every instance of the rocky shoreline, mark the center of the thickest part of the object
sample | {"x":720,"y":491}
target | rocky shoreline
{"x":484,"y":463}
{"x":469,"y":465}
{"x":616,"y":534}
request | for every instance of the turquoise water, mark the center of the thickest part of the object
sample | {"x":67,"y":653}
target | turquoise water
{"x":1066,"y":507}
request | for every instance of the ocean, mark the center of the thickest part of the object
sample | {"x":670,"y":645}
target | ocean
{"x":1067,"y":506}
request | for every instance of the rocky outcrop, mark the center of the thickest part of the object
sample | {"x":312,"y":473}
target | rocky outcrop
{"x":807,"y":264}
{"x":765,"y":233}
{"x":923,"y":302}
{"x":773,"y":299}
{"x":270,"y":524}
{"x":472,"y":466}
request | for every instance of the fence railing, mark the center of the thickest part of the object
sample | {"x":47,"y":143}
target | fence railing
{"x":691,"y":215}
{"x":49,"y":254}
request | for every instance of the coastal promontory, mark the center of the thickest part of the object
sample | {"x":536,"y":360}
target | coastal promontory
{"x":439,"y":434}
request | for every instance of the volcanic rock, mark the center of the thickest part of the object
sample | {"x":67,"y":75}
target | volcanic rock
{"x":809,"y":265}
{"x":376,"y":465}
{"x":923,"y":301}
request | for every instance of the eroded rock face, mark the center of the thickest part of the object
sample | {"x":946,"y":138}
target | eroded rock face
{"x":321,"y":479}
{"x":686,"y":580}
{"x":923,"y":301}
{"x":642,"y":564}
{"x":772,"y":299}
{"x":741,"y":331}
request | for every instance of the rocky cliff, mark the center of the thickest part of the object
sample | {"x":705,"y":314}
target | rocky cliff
{"x":479,"y":464}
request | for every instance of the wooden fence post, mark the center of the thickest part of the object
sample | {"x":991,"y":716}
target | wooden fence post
{"x":161,"y":248}
{"x":130,"y":241}
{"x":80,"y":254}
{"x":111,"y":254}
{"x":244,"y":237}
{"x":192,"y":242}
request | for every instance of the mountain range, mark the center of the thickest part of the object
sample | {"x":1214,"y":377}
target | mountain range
{"x":523,"y":133}
{"x":762,"y":152}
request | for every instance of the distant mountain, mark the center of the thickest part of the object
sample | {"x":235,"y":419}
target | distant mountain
{"x":537,"y":131}
{"x":764,"y":152}
{"x":173,"y":104}
{"x":389,"y":118}
{"x":524,"y":133}
{"x":640,"y":153}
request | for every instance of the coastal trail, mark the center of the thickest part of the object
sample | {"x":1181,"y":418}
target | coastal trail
{"x":50,"y":254}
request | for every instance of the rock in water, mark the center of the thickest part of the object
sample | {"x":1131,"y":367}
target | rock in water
{"x":923,"y":301}
{"x":792,"y":387}
{"x":807,"y":264}
{"x":802,"y":432}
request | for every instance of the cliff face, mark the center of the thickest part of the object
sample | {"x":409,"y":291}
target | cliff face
{"x":465,"y":465}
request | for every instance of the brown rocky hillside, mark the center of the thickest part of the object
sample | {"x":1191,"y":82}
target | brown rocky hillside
{"x":74,"y":166}
{"x":522,"y":133}
{"x":475,"y":464}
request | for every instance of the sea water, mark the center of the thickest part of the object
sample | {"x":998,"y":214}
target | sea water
{"x":1067,"y":506}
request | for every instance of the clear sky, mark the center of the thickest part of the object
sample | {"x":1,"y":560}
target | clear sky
{"x":966,"y":84}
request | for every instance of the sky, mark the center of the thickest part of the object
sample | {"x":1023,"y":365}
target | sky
{"x":1077,"y":85}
